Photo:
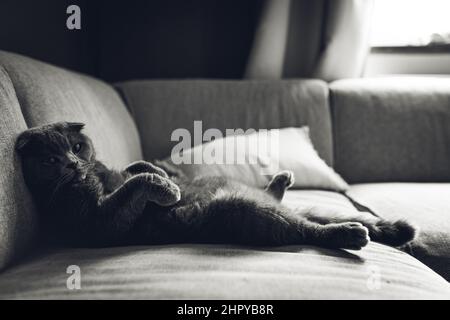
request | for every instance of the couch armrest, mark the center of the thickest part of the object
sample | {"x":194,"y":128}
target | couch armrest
{"x":18,"y":218}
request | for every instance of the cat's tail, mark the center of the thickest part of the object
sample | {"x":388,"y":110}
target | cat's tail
{"x":393,"y":233}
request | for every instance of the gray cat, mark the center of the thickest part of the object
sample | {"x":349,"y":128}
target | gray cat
{"x":83,"y":203}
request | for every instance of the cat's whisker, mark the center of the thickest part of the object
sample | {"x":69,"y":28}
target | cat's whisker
{"x":58,"y":184}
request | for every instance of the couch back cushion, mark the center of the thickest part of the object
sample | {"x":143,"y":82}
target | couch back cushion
{"x":48,"y":94}
{"x":392,"y":129}
{"x":33,"y":93}
{"x":160,"y":107}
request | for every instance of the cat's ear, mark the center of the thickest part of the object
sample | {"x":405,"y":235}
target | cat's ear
{"x":75,"y":126}
{"x":22,"y":141}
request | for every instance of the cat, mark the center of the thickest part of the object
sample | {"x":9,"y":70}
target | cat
{"x":83,"y":203}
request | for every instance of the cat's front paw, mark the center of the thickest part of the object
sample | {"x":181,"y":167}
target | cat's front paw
{"x":162,"y":191}
{"x":350,"y":235}
{"x":172,"y":196}
{"x":142,"y":166}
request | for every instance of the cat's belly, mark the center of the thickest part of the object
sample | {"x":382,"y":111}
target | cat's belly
{"x":182,"y":221}
{"x":209,"y":188}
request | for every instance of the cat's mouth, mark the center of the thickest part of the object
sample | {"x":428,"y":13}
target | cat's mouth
{"x":81,"y":176}
{"x":78,"y":176}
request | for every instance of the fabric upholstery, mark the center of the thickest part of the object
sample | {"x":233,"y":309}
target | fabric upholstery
{"x":34,"y":93}
{"x":48,"y":94}
{"x":17,"y":216}
{"x":392,"y":129}
{"x":159,"y":107}
{"x":190,"y":271}
{"x":425,"y":205}
{"x":308,"y":199}
{"x":256,"y":157}
{"x":225,"y":272}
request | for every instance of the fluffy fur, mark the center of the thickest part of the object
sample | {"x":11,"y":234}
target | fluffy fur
{"x":83,"y":203}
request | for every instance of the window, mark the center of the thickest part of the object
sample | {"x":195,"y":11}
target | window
{"x":411,"y":23}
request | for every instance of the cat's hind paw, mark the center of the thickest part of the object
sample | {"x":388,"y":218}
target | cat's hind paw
{"x":349,"y":235}
{"x":280,"y":183}
{"x":284,"y":178}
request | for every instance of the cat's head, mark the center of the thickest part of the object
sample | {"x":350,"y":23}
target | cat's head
{"x":55,"y":154}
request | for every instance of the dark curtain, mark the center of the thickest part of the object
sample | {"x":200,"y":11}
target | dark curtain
{"x":38,"y":29}
{"x":326,"y":39}
{"x":231,"y":39}
{"x":135,"y":39}
{"x":345,"y":39}
{"x":176,"y":38}
{"x":269,"y":45}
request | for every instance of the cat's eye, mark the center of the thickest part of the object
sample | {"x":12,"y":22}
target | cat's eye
{"x":76,"y":147}
{"x":51,"y":160}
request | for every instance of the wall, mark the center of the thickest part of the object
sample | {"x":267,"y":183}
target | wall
{"x":122,"y":40}
{"x":407,"y":63}
{"x":38,"y":29}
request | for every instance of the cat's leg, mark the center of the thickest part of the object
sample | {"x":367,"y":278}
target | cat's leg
{"x":233,"y":220}
{"x":346,"y":235}
{"x":186,"y":213}
{"x":393,"y":233}
{"x":280,"y":183}
{"x":126,"y":204}
{"x":244,"y":221}
{"x":144,"y":167}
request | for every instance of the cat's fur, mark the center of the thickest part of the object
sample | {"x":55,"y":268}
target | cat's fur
{"x":83,"y":203}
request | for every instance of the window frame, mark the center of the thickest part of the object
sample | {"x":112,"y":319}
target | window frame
{"x":432,"y":48}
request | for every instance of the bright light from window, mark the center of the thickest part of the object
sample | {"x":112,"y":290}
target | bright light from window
{"x":411,"y":22}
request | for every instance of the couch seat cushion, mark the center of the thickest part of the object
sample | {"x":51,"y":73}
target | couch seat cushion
{"x":191,"y":271}
{"x":427,"y":205}
{"x":225,"y":272}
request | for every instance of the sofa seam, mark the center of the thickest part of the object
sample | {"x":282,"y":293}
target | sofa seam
{"x":359,"y":206}
{"x":129,"y":107}
{"x":331,"y":101}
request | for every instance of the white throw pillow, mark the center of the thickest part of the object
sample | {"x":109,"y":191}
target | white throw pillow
{"x":254,"y":158}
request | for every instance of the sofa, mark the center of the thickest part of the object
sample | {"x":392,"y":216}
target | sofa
{"x":389,"y":138}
